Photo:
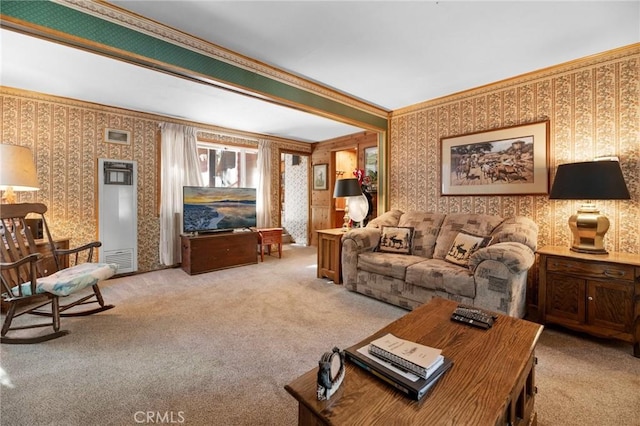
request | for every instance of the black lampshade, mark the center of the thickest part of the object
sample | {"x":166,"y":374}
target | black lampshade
{"x":590,"y":180}
{"x":347,"y":188}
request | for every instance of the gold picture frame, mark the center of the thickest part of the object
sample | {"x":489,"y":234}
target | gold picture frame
{"x":510,"y":160}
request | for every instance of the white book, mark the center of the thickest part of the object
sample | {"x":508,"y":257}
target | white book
{"x":411,"y":356}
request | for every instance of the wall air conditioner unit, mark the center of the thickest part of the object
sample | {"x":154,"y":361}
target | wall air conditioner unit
{"x":118,"y":213}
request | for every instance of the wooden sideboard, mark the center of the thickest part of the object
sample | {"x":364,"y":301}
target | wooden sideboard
{"x":592,"y":293}
{"x":210,"y":252}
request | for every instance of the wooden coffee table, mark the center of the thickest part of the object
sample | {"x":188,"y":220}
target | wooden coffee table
{"x":491,"y":381}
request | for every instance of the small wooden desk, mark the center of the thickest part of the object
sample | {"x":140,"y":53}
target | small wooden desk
{"x":491,"y":382}
{"x":267,"y":237}
{"x":329,"y":254}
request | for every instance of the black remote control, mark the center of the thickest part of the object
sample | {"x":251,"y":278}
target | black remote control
{"x":473,"y":316}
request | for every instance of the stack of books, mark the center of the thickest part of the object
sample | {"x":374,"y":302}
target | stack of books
{"x":408,"y":366}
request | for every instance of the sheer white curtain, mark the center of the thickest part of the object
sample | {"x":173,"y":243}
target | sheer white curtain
{"x":179,"y":167}
{"x":263,"y":203}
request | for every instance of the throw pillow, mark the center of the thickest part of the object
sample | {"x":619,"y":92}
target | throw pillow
{"x":396,"y":239}
{"x":463,"y":246}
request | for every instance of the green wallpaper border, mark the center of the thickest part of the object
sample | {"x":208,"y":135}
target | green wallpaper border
{"x":60,"y":18}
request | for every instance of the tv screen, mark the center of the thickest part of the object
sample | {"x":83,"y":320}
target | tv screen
{"x":207,"y":209}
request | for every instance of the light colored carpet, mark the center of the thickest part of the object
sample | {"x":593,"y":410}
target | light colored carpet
{"x":218,"y":348}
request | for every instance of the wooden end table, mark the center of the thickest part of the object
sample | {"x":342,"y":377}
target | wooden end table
{"x":491,"y":382}
{"x":329,"y":254}
{"x":267,"y":237}
{"x":597,"y":294}
{"x":48,"y":263}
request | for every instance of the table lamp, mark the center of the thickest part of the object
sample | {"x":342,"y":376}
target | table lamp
{"x":347,"y":188}
{"x":17,"y":171}
{"x":590,"y":180}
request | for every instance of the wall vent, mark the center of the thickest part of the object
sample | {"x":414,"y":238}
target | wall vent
{"x":122,"y":258}
{"x":118,"y":213}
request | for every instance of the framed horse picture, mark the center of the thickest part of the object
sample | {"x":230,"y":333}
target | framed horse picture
{"x":511,"y":160}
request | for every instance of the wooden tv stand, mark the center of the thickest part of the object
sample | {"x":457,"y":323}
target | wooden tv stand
{"x":210,"y":252}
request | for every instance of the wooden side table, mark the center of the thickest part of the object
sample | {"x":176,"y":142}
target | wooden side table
{"x":267,"y":237}
{"x":48,"y":263}
{"x":591,"y":293}
{"x":329,"y":254}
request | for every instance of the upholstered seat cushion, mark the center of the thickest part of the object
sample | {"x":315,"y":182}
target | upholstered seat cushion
{"x":440,"y":275}
{"x":70,"y":280}
{"x":426,"y":227}
{"x":388,"y":264}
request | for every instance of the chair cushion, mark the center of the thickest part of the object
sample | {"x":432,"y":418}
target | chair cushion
{"x":70,"y":280}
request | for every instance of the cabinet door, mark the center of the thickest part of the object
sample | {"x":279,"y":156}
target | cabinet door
{"x":610,"y":305}
{"x":566,"y":297}
{"x":47,"y":263}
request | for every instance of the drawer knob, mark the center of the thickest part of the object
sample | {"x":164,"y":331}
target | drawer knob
{"x":590,"y":298}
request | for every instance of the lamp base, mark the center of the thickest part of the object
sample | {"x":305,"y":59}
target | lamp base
{"x":588,"y":227}
{"x":346,"y":219}
{"x":9,"y":196}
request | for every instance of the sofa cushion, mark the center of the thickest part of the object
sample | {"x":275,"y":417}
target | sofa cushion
{"x":389,"y":218}
{"x":437,"y":274}
{"x":476,"y":224}
{"x":425,"y":231}
{"x":463,"y":246}
{"x":396,"y":239}
{"x":389,"y":264}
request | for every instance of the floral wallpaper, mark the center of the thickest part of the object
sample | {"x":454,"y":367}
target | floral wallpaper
{"x":66,"y":138}
{"x":594,"y":110}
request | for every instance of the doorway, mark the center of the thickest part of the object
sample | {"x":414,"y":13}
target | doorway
{"x":294,"y":197}
{"x":346,"y":161}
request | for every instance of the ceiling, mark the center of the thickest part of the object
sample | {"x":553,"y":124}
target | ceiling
{"x":391,"y":54}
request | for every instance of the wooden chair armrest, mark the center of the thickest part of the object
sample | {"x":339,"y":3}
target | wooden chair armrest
{"x":11,"y":277}
{"x":88,"y":246}
{"x":33,"y":258}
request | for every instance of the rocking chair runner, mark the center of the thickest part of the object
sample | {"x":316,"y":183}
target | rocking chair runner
{"x":24,"y":288}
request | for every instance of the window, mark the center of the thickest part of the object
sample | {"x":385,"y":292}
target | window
{"x":228,"y":166}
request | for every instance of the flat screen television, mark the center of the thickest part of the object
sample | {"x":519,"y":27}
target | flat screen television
{"x":207,"y":209}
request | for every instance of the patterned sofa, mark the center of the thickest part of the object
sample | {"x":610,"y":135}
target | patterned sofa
{"x":408,"y":258}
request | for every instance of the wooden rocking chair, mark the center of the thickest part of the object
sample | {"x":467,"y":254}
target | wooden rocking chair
{"x":25,"y":289}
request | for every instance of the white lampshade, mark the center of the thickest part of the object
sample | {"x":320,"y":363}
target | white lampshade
{"x":17,"y":170}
